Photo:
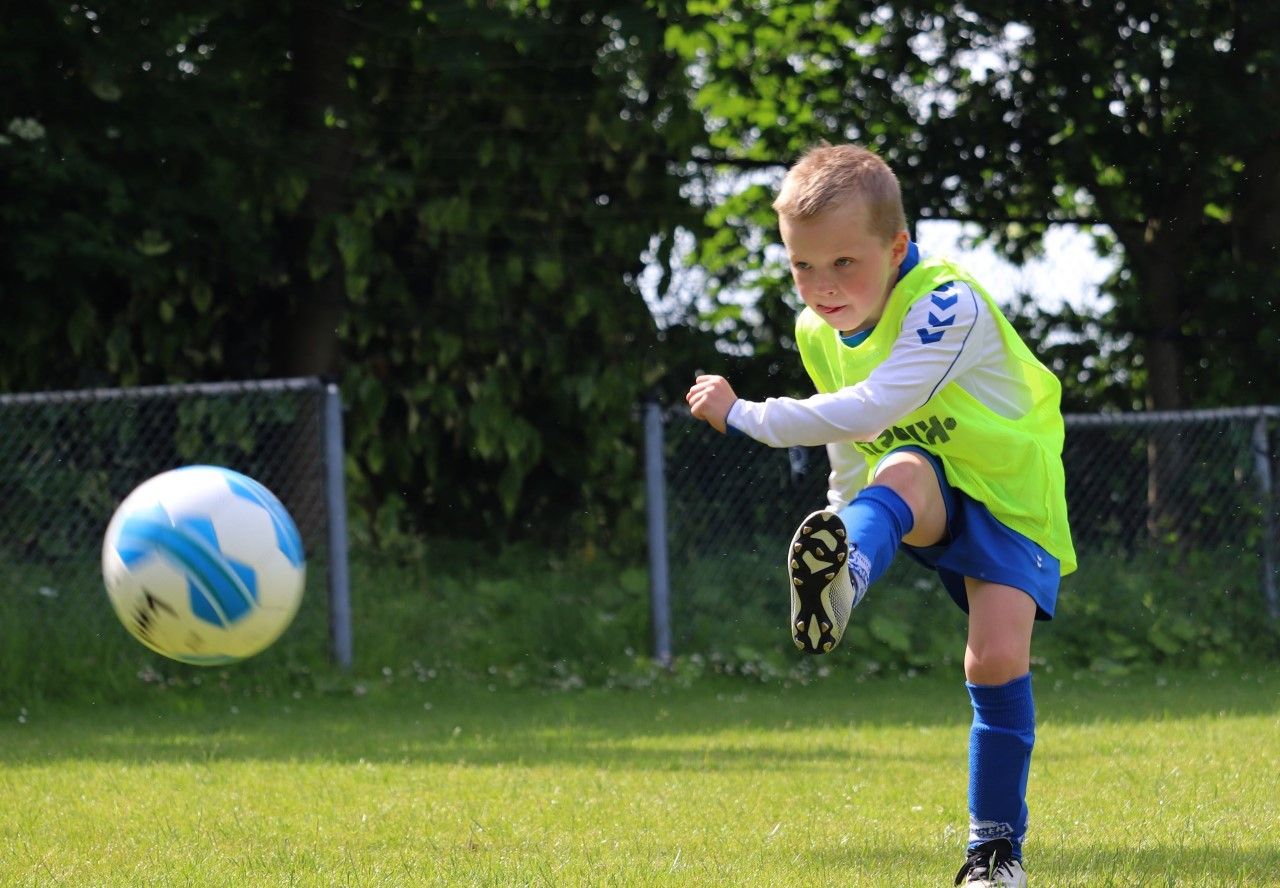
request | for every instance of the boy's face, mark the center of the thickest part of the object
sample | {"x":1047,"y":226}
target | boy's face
{"x":843,"y":271}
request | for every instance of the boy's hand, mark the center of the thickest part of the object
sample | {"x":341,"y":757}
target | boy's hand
{"x":710,"y":399}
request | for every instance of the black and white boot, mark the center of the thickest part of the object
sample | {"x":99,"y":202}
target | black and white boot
{"x":828,"y":577}
{"x":992,"y":865}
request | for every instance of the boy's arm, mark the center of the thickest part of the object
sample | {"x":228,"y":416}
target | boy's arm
{"x":848,"y":474}
{"x":932,"y":348}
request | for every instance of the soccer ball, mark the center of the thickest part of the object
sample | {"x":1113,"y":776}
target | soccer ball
{"x":203,"y":565}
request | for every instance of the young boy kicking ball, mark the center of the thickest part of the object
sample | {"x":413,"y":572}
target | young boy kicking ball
{"x":945,"y":438}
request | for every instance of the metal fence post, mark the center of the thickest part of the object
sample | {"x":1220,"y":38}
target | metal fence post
{"x":656,"y":509}
{"x":336,"y":499}
{"x":1262,"y":468}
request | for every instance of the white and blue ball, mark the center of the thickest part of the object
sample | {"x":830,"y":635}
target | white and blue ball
{"x":203,"y":565}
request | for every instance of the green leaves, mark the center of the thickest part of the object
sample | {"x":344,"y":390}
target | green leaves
{"x":458,"y":203}
{"x":501,"y":323}
{"x":1155,"y":122}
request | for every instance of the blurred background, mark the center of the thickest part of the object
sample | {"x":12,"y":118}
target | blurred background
{"x":501,"y":228}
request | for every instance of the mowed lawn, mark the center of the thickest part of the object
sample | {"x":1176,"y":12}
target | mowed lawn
{"x":1157,"y":780}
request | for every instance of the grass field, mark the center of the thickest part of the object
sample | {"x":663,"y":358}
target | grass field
{"x":1151,"y":780}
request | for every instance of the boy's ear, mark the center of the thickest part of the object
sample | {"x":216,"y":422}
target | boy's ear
{"x":898,"y":247}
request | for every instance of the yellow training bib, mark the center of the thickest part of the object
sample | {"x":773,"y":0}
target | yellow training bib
{"x":1012,"y":466}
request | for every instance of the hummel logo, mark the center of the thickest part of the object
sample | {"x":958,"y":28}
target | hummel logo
{"x":931,"y":431}
{"x":932,"y":333}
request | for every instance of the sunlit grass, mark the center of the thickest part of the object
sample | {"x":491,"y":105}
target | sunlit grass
{"x":1148,"y":781}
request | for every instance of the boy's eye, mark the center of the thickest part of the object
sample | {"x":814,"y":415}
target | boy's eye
{"x":803,"y":266}
{"x":843,"y":261}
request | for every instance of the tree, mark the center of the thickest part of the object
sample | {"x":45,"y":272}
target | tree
{"x":1159,"y":121}
{"x":134,"y":178}
{"x":1156,"y":120}
{"x":443,"y":204}
{"x":516,"y":169}
{"x":319,"y":104}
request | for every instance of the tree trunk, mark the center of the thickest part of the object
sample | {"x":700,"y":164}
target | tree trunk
{"x":318,"y":101}
{"x":306,"y":341}
{"x":1161,"y":278}
{"x":1256,"y":220}
{"x":1256,"y":214}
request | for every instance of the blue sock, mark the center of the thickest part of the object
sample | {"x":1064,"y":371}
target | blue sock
{"x":876,"y":520}
{"x":1000,"y":742}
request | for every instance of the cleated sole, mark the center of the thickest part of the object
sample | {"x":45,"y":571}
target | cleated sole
{"x":817,"y":558}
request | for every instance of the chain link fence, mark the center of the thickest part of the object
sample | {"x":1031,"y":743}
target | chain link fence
{"x":1188,"y":495}
{"x":67,"y":459}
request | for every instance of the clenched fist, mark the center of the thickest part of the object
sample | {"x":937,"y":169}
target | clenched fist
{"x":710,"y":399}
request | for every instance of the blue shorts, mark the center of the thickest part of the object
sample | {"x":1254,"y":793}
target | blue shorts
{"x":979,"y":546}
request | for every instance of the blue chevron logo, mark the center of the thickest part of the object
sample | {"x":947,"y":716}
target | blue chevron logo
{"x":933,"y":333}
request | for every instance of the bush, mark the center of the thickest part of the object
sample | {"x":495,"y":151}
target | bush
{"x":1200,"y":608}
{"x":452,"y":611}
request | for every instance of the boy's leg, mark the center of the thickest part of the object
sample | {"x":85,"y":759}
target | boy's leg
{"x":834,"y":558}
{"x":910,"y":475}
{"x":997,"y":669}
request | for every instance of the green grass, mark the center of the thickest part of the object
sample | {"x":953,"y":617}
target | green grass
{"x":1146,"y":780}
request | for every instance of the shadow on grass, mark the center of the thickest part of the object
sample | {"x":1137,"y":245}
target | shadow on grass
{"x":715,"y":725}
{"x":1095,"y":866}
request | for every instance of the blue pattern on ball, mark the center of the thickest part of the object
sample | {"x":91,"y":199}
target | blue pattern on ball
{"x":222,"y":590}
{"x":287,"y":536}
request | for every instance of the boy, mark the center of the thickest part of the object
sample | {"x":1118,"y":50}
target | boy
{"x":945,"y":438}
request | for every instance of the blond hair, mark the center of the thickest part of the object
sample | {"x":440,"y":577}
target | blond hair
{"x":826,"y":176}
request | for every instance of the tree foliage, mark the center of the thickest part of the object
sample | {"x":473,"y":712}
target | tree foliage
{"x":442,"y":204}
{"x":1158,"y":120}
{"x":445,"y":206}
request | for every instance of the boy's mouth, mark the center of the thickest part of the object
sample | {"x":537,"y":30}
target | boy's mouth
{"x":830,"y":309}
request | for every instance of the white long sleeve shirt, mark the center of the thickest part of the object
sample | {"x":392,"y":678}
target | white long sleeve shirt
{"x":969,"y":353}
